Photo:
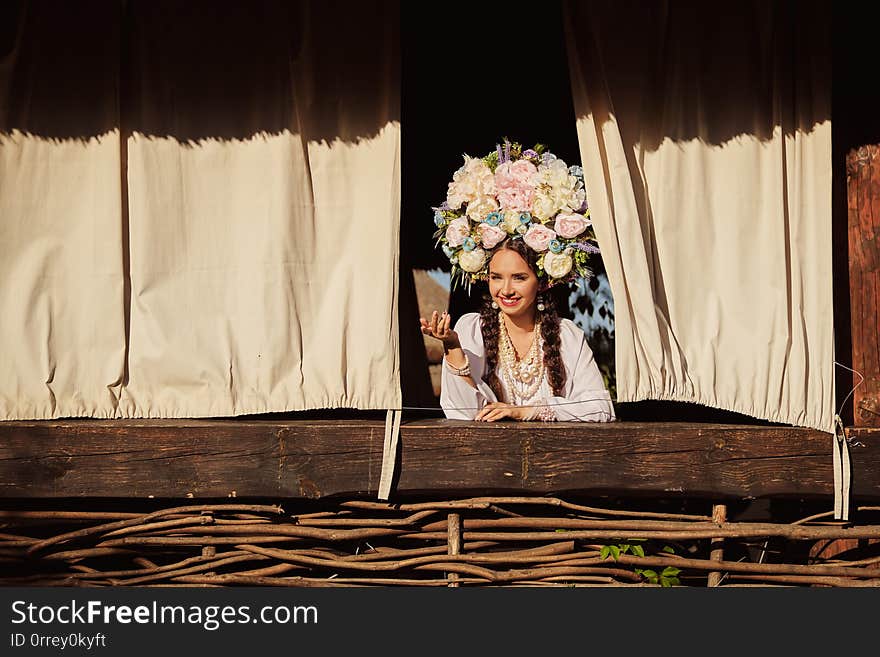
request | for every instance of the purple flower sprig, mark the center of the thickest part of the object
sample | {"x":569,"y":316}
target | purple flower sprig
{"x":586,"y":247}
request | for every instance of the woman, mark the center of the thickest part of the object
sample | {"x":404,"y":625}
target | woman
{"x":517,"y":359}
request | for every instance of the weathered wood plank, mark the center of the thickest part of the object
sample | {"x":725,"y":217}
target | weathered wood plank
{"x":313,"y":459}
{"x":863,"y":209}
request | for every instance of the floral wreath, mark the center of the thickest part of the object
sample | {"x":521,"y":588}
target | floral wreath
{"x":513,"y":194}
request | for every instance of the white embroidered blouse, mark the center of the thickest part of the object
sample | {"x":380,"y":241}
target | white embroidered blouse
{"x":585,"y":399}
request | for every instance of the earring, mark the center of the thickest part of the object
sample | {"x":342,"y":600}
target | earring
{"x":494,"y":306}
{"x":541,"y":305}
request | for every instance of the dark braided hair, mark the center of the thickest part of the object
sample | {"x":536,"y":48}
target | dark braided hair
{"x":549,"y":331}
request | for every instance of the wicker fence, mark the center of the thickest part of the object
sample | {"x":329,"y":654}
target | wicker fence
{"x":498,"y":541}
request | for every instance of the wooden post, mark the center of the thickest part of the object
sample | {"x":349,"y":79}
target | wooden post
{"x":863,"y":212}
{"x":454,"y":543}
{"x":719,"y":515}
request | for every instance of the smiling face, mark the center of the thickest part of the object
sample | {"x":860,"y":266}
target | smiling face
{"x":512,"y":284}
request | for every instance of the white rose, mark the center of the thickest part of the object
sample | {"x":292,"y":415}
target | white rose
{"x":557,"y":265}
{"x":454,"y":198}
{"x":481,"y":207}
{"x":543,"y":207}
{"x":511,"y":221}
{"x":472,"y":261}
{"x":557,"y":174}
{"x":472,"y":180}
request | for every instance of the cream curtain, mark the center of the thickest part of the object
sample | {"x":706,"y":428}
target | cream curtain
{"x":229,"y":243}
{"x":705,"y":134}
{"x":62,"y":320}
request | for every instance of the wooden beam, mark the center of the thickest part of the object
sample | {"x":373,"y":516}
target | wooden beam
{"x":863,"y":203}
{"x":315,"y":459}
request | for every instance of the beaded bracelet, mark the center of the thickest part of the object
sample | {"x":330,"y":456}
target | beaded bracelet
{"x":458,"y":371}
{"x":546,"y":414}
{"x":541,"y":413}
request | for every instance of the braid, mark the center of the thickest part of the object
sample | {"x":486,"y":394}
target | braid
{"x":489,"y":329}
{"x":552,"y":347}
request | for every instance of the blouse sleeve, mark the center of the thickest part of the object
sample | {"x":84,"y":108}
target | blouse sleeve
{"x":459,"y":400}
{"x":588,"y":400}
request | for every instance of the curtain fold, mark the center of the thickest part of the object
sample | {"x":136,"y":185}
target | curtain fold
{"x":705,"y":134}
{"x":254,"y":219}
{"x":62,"y":328}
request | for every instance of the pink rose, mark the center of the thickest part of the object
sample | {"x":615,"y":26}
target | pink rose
{"x":491,"y":236}
{"x":571,"y":225}
{"x":538,"y":237}
{"x":516,"y":199}
{"x":457,"y":231}
{"x":523,"y":171}
{"x":514,"y":184}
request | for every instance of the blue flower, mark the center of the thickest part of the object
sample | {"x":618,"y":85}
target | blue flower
{"x":493,"y":218}
{"x":448,"y":251}
{"x":469,"y":244}
{"x":530,"y":154}
{"x":439,"y":219}
{"x":525,"y":218}
{"x":555,"y":246}
{"x":576,"y":171}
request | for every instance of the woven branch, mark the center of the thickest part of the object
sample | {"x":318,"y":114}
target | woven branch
{"x":545,"y":542}
{"x":487,"y":502}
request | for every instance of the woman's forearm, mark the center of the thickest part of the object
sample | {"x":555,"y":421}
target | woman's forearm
{"x":457,"y":360}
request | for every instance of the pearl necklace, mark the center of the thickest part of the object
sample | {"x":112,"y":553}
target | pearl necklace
{"x":523,"y":377}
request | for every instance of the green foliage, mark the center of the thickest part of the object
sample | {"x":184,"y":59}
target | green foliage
{"x":539,"y":264}
{"x":516,"y":151}
{"x":491,"y":161}
{"x":666,"y":577}
{"x":609,"y":379}
{"x":614,"y":551}
{"x":588,"y":300}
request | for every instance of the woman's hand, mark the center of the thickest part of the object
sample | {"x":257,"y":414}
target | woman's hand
{"x":438,"y":327}
{"x":499,"y":410}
